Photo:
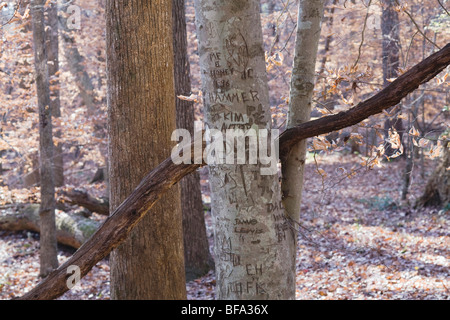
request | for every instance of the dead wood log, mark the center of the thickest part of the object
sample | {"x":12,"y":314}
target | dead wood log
{"x":116,"y":228}
{"x":72,"y":230}
{"x":82,"y":198}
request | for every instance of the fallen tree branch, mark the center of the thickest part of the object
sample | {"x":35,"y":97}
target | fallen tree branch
{"x":117,"y":227}
{"x":83,"y":199}
{"x":71,"y":230}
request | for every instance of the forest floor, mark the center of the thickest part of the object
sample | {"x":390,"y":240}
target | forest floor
{"x":357,"y":240}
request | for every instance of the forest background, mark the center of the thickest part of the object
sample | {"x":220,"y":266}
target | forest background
{"x":361,"y":236}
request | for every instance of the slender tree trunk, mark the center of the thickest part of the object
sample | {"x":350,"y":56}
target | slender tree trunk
{"x":252,"y":237}
{"x":48,"y":244}
{"x":390,"y":26}
{"x":75,"y":62}
{"x":53,"y":70}
{"x":329,"y":37}
{"x":409,"y":148}
{"x":271,"y":6}
{"x":409,"y":153}
{"x":310,"y":14}
{"x":390,"y":45}
{"x":197,"y":258}
{"x":141,"y":115}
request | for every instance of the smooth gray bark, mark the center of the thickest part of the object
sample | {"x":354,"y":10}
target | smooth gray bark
{"x":252,"y":237}
{"x":310,"y":14}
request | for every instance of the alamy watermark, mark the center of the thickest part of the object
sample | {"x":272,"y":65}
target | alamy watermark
{"x":73,"y":21}
{"x":9,"y":10}
{"x":75,"y":276}
{"x":231,"y":146}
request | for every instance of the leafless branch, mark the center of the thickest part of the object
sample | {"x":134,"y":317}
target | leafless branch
{"x":362,"y":35}
{"x":417,"y":26}
{"x":15,"y":12}
{"x":442,"y":6}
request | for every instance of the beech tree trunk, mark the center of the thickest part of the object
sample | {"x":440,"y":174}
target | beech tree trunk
{"x":197,"y":258}
{"x":252,"y":237}
{"x":141,"y":118}
{"x":48,"y":244}
{"x":310,"y":14}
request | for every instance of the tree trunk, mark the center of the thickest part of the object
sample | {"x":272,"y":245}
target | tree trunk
{"x":252,"y":237}
{"x":390,"y":25}
{"x":310,"y":13}
{"x":75,"y":63}
{"x":71,"y":230}
{"x":390,"y":43}
{"x":141,"y":116}
{"x":48,"y":244}
{"x":329,"y":37}
{"x":409,"y":154}
{"x":197,"y":258}
{"x":53,"y":70}
{"x":437,"y":189}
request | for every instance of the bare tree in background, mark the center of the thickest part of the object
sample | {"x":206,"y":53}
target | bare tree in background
{"x":390,"y":25}
{"x":197,"y":258}
{"x":48,"y":243}
{"x":52,"y":32}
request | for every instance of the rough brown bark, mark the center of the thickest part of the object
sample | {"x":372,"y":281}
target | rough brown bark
{"x":141,"y":119}
{"x":48,"y":244}
{"x":118,"y":226}
{"x":71,"y":230}
{"x":197,"y":258}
